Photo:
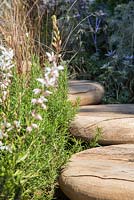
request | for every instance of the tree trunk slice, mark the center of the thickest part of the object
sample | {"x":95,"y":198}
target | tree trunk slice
{"x":103,"y":173}
{"x":87,"y":92}
{"x":116,"y":122}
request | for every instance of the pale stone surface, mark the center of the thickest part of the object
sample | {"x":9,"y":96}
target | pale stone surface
{"x":116,"y":122}
{"x":87,"y":92}
{"x":103,"y":173}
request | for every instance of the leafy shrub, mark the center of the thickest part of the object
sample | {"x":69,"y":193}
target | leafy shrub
{"x":111,"y":4}
{"x":30,"y":158}
{"x":34,"y":119}
{"x":122,"y":28}
{"x":117,"y":73}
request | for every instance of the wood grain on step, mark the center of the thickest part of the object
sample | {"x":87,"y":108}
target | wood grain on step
{"x":104,"y":173}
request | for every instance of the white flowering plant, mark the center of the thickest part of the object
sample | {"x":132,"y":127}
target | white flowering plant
{"x":34,"y":119}
{"x":34,"y":112}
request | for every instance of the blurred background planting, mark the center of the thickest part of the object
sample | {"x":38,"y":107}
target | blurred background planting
{"x":98,"y":42}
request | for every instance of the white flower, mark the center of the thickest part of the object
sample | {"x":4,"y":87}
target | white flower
{"x":1,"y":134}
{"x":51,"y":57}
{"x":5,"y":147}
{"x":54,"y":64}
{"x":17,"y":124}
{"x":34,"y":126}
{"x":41,"y":80}
{"x":3,"y":86}
{"x":6,"y":63}
{"x":38,"y":117}
{"x":4,"y":95}
{"x":29,"y":129}
{"x":34,"y":101}
{"x":43,"y":106}
{"x":33,"y":113}
{"x":52,"y":81}
{"x":7,"y":53}
{"x":37,"y":91}
{"x":7,"y":125}
{"x":60,"y":67}
{"x":47,"y":92}
{"x":1,"y":143}
{"x":43,"y":99}
{"x":47,"y":70}
{"x":55,"y":72}
{"x":40,"y":101}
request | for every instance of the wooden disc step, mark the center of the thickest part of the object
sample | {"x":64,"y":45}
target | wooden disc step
{"x":116,"y":122}
{"x":87,"y":92}
{"x":103,"y":173}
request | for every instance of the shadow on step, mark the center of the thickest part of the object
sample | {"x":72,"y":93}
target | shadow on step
{"x":112,"y":108}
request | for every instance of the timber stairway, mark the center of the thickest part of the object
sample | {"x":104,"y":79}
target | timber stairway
{"x":106,"y":172}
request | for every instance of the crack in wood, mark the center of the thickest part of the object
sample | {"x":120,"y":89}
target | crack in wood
{"x":109,"y":178}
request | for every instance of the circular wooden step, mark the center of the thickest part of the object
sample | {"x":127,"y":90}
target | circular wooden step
{"x":87,"y":92}
{"x":103,"y":173}
{"x":116,"y":123}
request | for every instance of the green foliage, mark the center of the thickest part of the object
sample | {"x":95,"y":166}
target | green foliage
{"x":98,"y":135}
{"x":117,"y":81}
{"x":30,"y":171}
{"x":111,"y":3}
{"x":122,"y":29}
{"x":117,"y":73}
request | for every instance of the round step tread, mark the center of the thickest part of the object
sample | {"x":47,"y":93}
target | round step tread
{"x":87,"y":92}
{"x":116,"y":123}
{"x":103,"y":173}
